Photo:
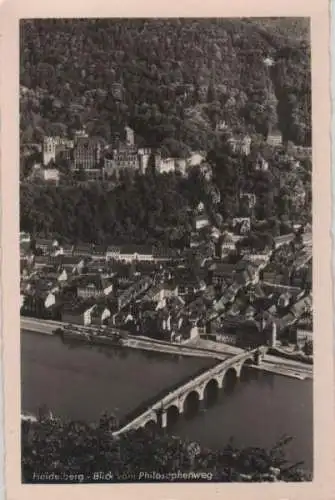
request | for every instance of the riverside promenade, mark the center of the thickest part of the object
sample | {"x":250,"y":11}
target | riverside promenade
{"x":198,"y":348}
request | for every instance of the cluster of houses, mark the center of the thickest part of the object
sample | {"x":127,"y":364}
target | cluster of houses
{"x":205,"y":290}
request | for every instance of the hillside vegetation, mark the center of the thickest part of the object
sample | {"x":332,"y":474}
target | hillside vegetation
{"x":172,"y":80}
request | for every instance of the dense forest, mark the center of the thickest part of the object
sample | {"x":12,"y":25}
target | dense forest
{"x":144,"y":209}
{"x":172,"y":80}
{"x":182,"y":84}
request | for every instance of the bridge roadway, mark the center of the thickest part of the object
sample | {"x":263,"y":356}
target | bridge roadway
{"x":176,"y":400}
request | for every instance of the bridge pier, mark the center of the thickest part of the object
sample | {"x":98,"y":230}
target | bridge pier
{"x":164,"y":419}
{"x":202,"y":402}
{"x":201,"y":394}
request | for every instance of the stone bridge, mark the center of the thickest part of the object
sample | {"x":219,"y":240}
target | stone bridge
{"x":175,"y":402}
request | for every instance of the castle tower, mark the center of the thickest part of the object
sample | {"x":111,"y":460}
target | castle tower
{"x":274,"y":334}
{"x":130,"y":136}
{"x":49,"y":149}
{"x":246,"y":145}
{"x":144,"y":157}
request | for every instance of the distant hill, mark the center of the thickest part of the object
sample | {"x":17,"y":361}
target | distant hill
{"x":289,"y":28}
{"x":172,"y":80}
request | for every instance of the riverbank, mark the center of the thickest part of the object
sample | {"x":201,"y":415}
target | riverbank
{"x":199,"y":348}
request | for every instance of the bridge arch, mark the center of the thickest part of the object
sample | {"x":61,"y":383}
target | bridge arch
{"x":229,"y":377}
{"x":190,"y":403}
{"x":172,"y":414}
{"x":150,"y":421}
{"x":249,"y":361}
{"x":150,"y":424}
{"x":211,"y":390}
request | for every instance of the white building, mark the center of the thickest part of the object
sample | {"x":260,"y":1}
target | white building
{"x":195,"y":159}
{"x":45,"y":174}
{"x":24,"y":237}
{"x":201,"y":221}
{"x":129,"y":253}
{"x":165,"y":165}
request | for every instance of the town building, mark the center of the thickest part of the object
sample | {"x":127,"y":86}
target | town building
{"x":226,"y":244}
{"x":303,"y":333}
{"x":201,"y":221}
{"x":164,"y":165}
{"x":100,"y":314}
{"x":165,"y":254}
{"x":261,"y":164}
{"x":133,"y":291}
{"x":67,"y":249}
{"x":283,"y":240}
{"x":187,"y":282}
{"x":71,"y":264}
{"x":83,"y":250}
{"x":54,"y":272}
{"x":99,"y":252}
{"x":221,"y":273}
{"x":37,"y":303}
{"x":130,"y":253}
{"x":195,"y":159}
{"x":249,"y":198}
{"x":241,"y":145}
{"x":46,"y":246}
{"x":49,"y":175}
{"x":79,"y":313}
{"x":93,"y":286}
{"x":275,"y":138}
{"x":25,"y":237}
{"x":242,"y":225}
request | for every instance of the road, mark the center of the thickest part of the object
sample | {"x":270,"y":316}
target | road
{"x":197,"y":347}
{"x":39,"y":325}
{"x":48,"y":327}
{"x":270,"y":363}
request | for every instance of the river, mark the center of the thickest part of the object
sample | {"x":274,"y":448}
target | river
{"x":80,"y":382}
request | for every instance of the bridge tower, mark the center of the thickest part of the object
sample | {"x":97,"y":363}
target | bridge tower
{"x":274,"y":334}
{"x":259,"y":357}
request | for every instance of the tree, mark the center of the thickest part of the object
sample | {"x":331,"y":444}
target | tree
{"x":90,"y":448}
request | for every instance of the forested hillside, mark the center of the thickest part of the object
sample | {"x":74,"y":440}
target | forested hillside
{"x":173,"y":81}
{"x":156,"y":208}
